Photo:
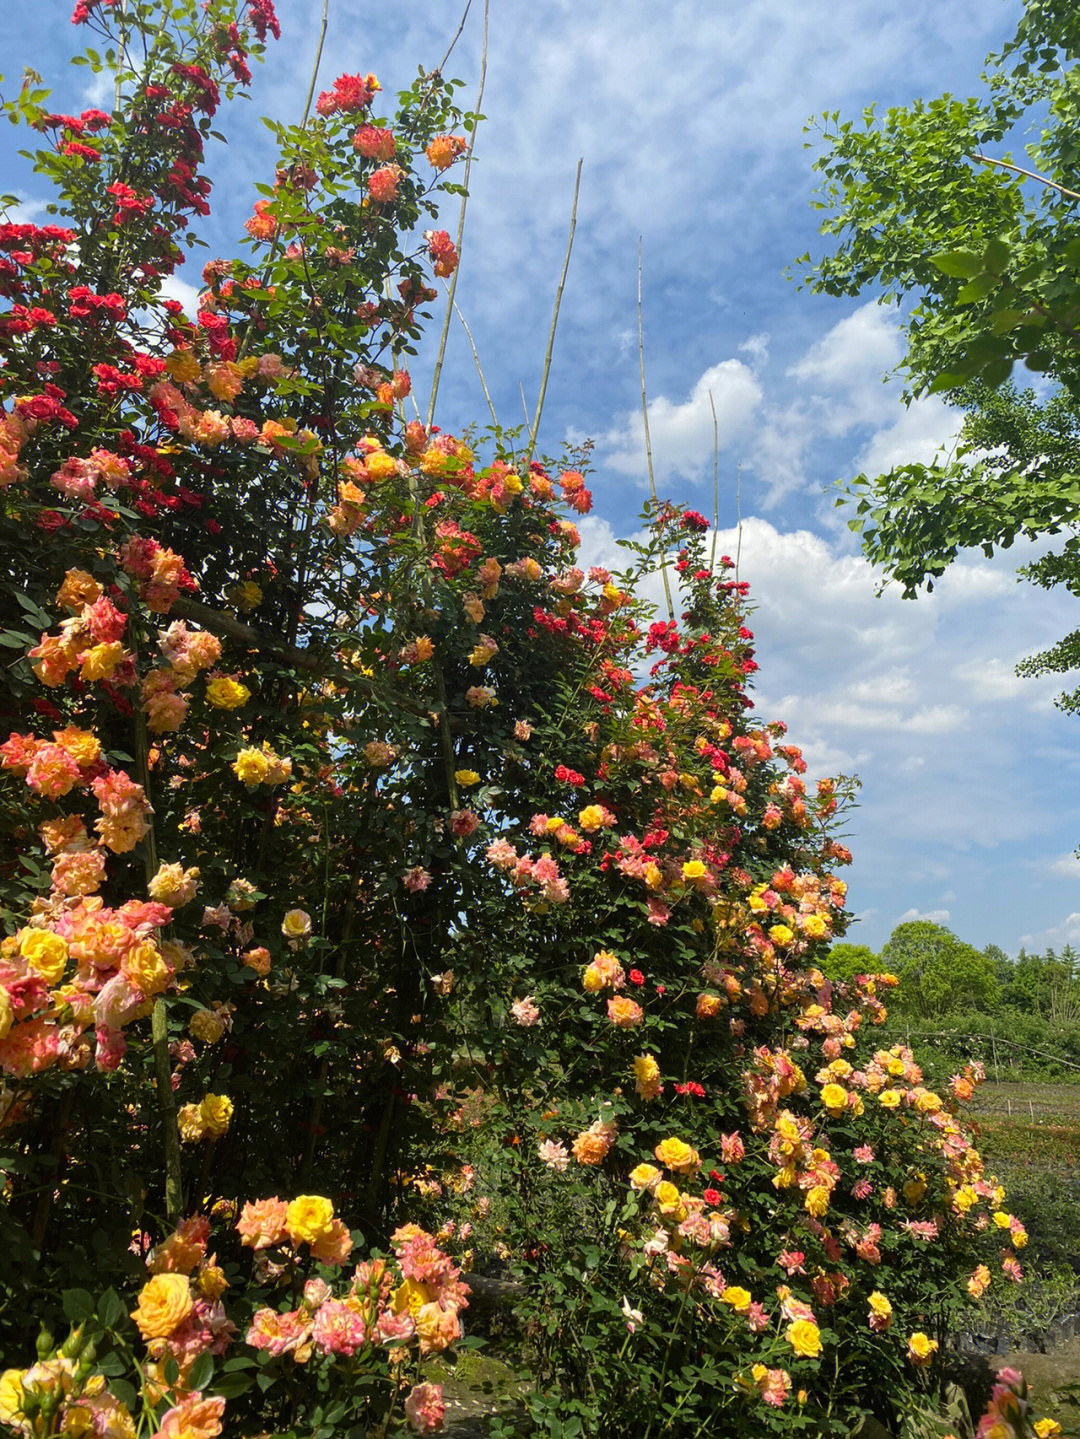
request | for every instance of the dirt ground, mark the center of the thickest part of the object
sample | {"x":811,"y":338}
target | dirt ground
{"x":1045,"y":1374}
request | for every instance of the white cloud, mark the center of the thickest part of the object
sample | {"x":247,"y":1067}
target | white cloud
{"x":1058,"y":935}
{"x":934,"y":916}
{"x":681,"y":431}
{"x":174,"y":288}
{"x":923,"y":431}
{"x":25,"y":212}
{"x":1065,"y":866}
{"x":857,"y":351}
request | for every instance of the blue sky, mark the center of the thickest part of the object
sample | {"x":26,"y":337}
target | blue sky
{"x":689,"y":118}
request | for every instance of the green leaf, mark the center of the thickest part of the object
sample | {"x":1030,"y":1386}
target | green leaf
{"x":125,"y":1392}
{"x":78,"y":1304}
{"x":110,"y":1310}
{"x":201,"y":1372}
{"x":231,"y":1385}
{"x":977,"y":289}
{"x":945,"y":381}
{"x":959,"y":264}
{"x":996,"y":256}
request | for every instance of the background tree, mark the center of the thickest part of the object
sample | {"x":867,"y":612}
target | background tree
{"x":982,"y":255}
{"x":939,"y":973}
{"x":845,"y":961}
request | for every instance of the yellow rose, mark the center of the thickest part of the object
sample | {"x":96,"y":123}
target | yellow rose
{"x":11,"y":1394}
{"x":215,"y":1111}
{"x":669,"y":1201}
{"x":739,"y":1299}
{"x":45,"y":953}
{"x":921,"y":1348}
{"x":206,"y":1025}
{"x":296,"y":924}
{"x":1047,"y":1428}
{"x":226,"y":694}
{"x":174,"y":885}
{"x":98,"y":662}
{"x":212,"y":1282}
{"x":889,"y":1098}
{"x":817,"y":1201}
{"x":677,"y":1156}
{"x":694,"y":869}
{"x":781,"y":934}
{"x":591,"y":817}
{"x":251,"y":766}
{"x":410,"y":1297}
{"x":83,"y":747}
{"x":644,"y":1176}
{"x":7,"y":1012}
{"x":814,"y":926}
{"x":380,"y":466}
{"x":964,"y":1198}
{"x":914,"y":1189}
{"x":146,"y":969}
{"x":164,"y":1303}
{"x":466,"y":777}
{"x":804,"y":1337}
{"x":880,"y":1309}
{"x":308,"y":1219}
{"x":834,"y":1098}
{"x":189,"y":1123}
{"x":183,"y":367}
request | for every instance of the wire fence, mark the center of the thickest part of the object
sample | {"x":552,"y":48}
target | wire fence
{"x":965,"y":1040}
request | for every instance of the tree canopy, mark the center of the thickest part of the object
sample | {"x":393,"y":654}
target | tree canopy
{"x":981,"y":253}
{"x":939,"y":973}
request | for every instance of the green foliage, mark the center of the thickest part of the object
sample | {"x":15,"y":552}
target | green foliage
{"x":939,"y":973}
{"x":985,"y":261}
{"x":844,"y":961}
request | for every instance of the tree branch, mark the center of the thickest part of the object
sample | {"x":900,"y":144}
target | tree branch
{"x":1027,"y":174}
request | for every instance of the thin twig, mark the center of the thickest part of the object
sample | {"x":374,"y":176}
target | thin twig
{"x":715,"y":481}
{"x":479,"y":371}
{"x":315,"y":67}
{"x":457,"y":37}
{"x":524,"y":402}
{"x":1028,"y":174}
{"x":461,"y":217}
{"x":645,"y":421}
{"x":738,"y":519}
{"x":555,"y":316}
